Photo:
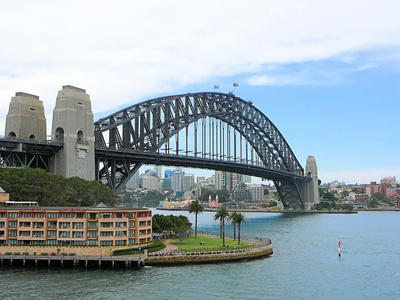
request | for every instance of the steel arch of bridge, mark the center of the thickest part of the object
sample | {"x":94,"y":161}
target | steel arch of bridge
{"x":142,"y":134}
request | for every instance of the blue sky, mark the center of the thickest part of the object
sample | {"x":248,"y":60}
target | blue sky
{"x":325,"y":72}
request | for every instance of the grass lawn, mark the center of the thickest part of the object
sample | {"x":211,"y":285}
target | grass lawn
{"x":209,"y":243}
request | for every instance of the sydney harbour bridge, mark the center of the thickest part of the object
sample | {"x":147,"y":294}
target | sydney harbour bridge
{"x":208,"y":130}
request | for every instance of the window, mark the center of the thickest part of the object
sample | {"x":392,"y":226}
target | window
{"x":120,"y":243}
{"x":12,"y":224}
{"x":24,"y":233}
{"x":65,"y":215}
{"x":77,"y":225}
{"x":92,"y":243}
{"x":93,"y":216}
{"x":26,"y":215}
{"x":52,"y":234}
{"x":39,"y":215}
{"x":64,"y":225}
{"x":120,"y":224}
{"x":131,"y":232}
{"x":106,"y":224}
{"x":106,"y":233}
{"x":106,"y":243}
{"x":79,"y":215}
{"x":120,"y":233}
{"x":13,"y":215}
{"x":120,"y":215}
{"x":52,"y":224}
{"x":77,"y":234}
{"x":79,"y":243}
{"x":24,"y":224}
{"x":64,"y":234}
{"x":92,"y":225}
{"x":2,"y":224}
{"x":106,"y":215}
{"x":92,"y":234}
{"x":38,"y":234}
{"x":12,"y":233}
{"x":38,"y":224}
{"x":131,"y":224}
{"x":52,"y":215}
{"x":12,"y":242}
{"x":132,"y":215}
{"x":52,"y":242}
{"x":131,"y":241}
{"x":2,"y":214}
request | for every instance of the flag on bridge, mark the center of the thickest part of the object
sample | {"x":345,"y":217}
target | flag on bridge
{"x":236,"y":84}
{"x":216,"y":87}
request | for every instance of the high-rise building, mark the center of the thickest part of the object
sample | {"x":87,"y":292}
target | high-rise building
{"x":168,"y":173}
{"x":133,"y":182}
{"x":177,"y":182}
{"x":158,"y":170}
{"x":188,"y":182}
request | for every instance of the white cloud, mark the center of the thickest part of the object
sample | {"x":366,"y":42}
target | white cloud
{"x":124,"y":51}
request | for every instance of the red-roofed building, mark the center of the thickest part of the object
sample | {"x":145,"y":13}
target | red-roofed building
{"x":394,"y":198}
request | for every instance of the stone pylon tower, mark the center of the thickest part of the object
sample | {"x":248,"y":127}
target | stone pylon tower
{"x":25,"y":118}
{"x":73,"y":125}
{"x":311,"y":193}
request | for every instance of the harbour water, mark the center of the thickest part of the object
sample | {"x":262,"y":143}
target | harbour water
{"x":305,"y":265}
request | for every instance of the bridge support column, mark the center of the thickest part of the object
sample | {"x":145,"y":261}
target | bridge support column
{"x":311,"y":193}
{"x":73,"y":125}
{"x":25,"y":118}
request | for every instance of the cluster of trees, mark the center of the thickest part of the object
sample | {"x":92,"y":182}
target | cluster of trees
{"x":54,"y":190}
{"x":328,"y":205}
{"x":172,"y":226}
{"x":144,"y":198}
{"x":235,"y":218}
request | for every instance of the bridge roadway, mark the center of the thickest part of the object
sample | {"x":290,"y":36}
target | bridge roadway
{"x":48,"y":148}
{"x":197,"y":162}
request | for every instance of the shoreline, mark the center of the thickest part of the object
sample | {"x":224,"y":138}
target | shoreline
{"x":205,"y":258}
{"x":268,"y":211}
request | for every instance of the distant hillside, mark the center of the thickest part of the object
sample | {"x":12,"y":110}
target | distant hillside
{"x":53,"y":190}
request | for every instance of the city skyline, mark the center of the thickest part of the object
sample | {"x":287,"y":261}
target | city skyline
{"x":328,"y":78}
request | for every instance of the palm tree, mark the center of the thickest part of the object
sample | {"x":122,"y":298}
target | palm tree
{"x":232,"y":218}
{"x":239,"y":220}
{"x":221,"y":215}
{"x":196,"y":208}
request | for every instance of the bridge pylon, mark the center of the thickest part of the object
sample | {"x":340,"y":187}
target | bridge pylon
{"x":311,"y":193}
{"x":25,"y":118}
{"x":73,"y":126}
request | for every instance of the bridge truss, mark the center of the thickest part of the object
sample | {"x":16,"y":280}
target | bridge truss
{"x":203,"y":130}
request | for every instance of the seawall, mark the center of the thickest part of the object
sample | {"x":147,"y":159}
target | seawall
{"x":209,"y":257}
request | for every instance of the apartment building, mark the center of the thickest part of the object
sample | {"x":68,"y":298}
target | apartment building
{"x":99,"y":226}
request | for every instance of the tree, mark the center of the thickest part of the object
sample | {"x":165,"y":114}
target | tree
{"x":223,"y":196}
{"x":378,"y":196}
{"x":221,"y":215}
{"x":373,"y":203}
{"x":182,"y":231}
{"x":196,"y":208}
{"x":239,"y":220}
{"x":232,"y":218}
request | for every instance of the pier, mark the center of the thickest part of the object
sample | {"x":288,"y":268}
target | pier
{"x":17,"y":260}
